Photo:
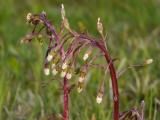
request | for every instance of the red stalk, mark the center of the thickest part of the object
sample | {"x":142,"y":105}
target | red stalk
{"x":114,"y":80}
{"x":65,"y":99}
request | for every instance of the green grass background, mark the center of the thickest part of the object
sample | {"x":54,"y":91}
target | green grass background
{"x":133,"y":28}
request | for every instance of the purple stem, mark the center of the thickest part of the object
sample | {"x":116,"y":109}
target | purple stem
{"x":113,"y":78}
{"x":65,"y":99}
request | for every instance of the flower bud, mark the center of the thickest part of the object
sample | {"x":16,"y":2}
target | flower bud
{"x":100,"y":26}
{"x":80,"y":87}
{"x":62,"y":11}
{"x":81,"y":79}
{"x":100,"y":93}
{"x":64,"y":65}
{"x":99,"y":97}
{"x":54,"y":71}
{"x":87,"y":54}
{"x":44,"y":12}
{"x":148,"y":61}
{"x":85,"y":57}
{"x":69,"y":76}
{"x":49,"y":57}
{"x":63,"y":73}
{"x":46,"y":71}
{"x":82,"y":76}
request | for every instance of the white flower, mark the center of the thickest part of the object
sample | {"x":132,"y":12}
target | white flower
{"x":49,"y":57}
{"x":81,"y":79}
{"x":99,"y":99}
{"x":79,"y":89}
{"x":54,"y":71}
{"x":63,"y":73}
{"x":46,"y":71}
{"x":148,"y":61}
{"x":28,"y":17}
{"x":69,"y":76}
{"x":85,"y":57}
{"x":64,"y":66}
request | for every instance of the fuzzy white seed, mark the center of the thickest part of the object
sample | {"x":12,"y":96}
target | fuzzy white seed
{"x":99,"y":99}
{"x":85,"y":57}
{"x":63,"y":73}
{"x":49,"y":57}
{"x":69,"y":76}
{"x":54,"y":71}
{"x":148,"y":61}
{"x":64,"y":66}
{"x":46,"y":71}
{"x":81,"y":79}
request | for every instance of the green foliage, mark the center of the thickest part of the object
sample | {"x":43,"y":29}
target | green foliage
{"x":133,"y":31}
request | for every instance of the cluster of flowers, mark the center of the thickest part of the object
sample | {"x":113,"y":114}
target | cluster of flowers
{"x":63,"y":62}
{"x":58,"y":61}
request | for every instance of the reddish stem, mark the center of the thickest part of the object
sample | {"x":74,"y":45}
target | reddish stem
{"x":65,"y":99}
{"x":113,"y":78}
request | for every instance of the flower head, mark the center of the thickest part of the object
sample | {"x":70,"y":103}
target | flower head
{"x":28,"y":17}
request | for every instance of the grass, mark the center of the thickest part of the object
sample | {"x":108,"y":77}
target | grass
{"x":133,"y":29}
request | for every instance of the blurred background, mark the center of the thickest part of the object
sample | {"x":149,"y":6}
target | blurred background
{"x":133,"y":29}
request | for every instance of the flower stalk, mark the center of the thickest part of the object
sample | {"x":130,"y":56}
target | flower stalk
{"x":63,"y":61}
{"x":65,"y":99}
